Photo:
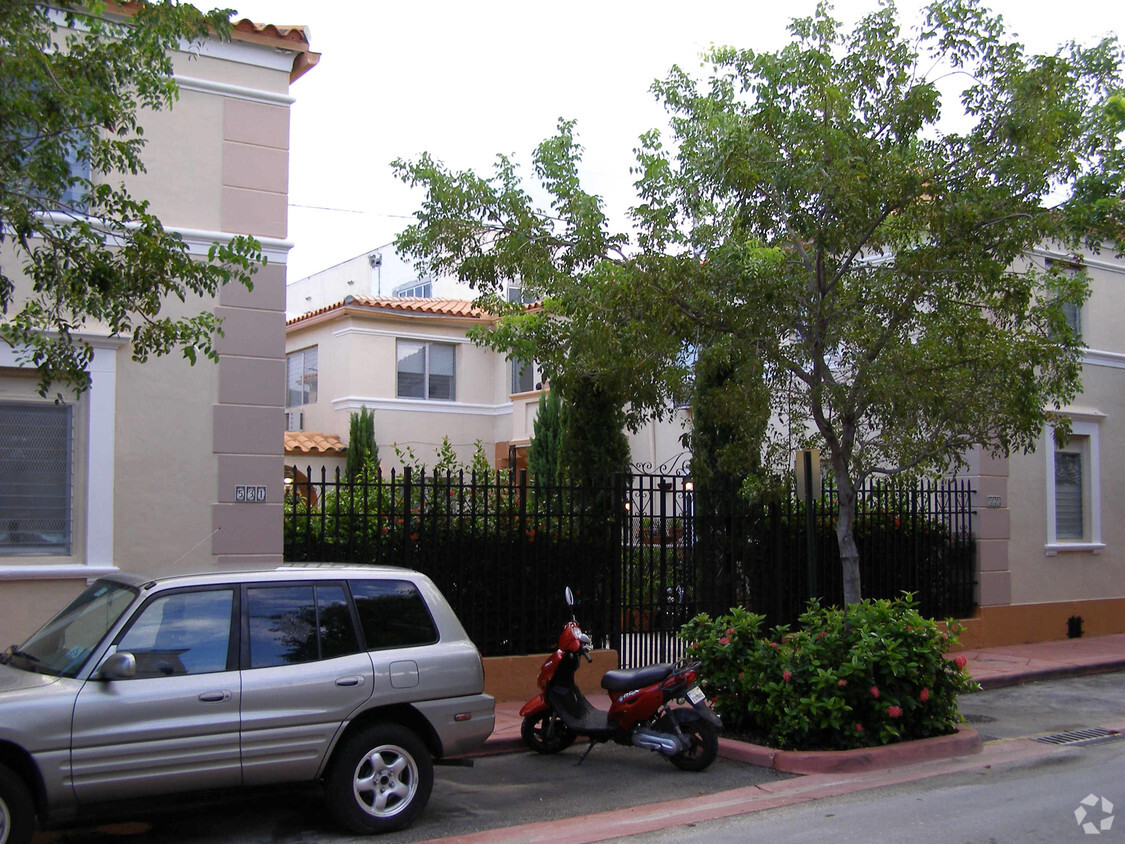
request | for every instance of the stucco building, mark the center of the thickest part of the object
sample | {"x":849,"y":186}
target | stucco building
{"x":165,"y":465}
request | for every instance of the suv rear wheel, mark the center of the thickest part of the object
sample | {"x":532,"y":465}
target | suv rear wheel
{"x":380,"y":780}
{"x":17,"y":816}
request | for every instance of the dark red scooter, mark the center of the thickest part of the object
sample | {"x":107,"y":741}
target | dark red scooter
{"x":640,"y":710}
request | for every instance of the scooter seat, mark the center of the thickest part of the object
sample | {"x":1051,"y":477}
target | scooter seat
{"x":635,"y":678}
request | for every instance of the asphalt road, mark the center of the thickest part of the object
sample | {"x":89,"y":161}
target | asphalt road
{"x":497,"y":791}
{"x":1029,"y":802}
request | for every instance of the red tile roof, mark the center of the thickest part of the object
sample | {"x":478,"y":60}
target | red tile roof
{"x":286,"y":37}
{"x":459,"y":308}
{"x":313,"y":442}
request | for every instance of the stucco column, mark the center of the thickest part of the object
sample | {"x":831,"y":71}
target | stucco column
{"x":992,"y":527}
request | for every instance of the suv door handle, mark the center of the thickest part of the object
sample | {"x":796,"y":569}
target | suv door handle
{"x":215,"y":697}
{"x":354,"y":680}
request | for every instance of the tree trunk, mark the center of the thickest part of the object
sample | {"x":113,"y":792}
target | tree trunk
{"x":845,"y":537}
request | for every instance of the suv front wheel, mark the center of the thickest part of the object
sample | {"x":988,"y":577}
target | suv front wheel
{"x":17,"y":817}
{"x":380,"y":780}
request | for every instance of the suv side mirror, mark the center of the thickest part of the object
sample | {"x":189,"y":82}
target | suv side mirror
{"x":120,"y":666}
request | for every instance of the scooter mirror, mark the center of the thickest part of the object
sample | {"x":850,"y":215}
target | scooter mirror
{"x":569,"y":597}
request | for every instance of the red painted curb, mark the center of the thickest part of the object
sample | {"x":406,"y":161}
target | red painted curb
{"x":964,"y":742}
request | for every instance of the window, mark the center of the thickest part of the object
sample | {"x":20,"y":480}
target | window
{"x":392,"y":614}
{"x":301,"y":377}
{"x":420,"y":289}
{"x":426,"y":371}
{"x":294,"y":624}
{"x":182,"y":633}
{"x":1069,"y":493}
{"x":1073,"y":494}
{"x":36,"y":454}
{"x":523,"y":376}
{"x":1072,"y":312}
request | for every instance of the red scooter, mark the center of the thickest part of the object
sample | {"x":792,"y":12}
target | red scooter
{"x":639,"y":713}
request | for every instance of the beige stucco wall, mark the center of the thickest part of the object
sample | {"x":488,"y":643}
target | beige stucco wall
{"x":1027,"y":585}
{"x":185,"y":437}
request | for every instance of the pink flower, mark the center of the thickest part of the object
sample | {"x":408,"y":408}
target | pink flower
{"x":894,"y":711}
{"x":924,"y":695}
{"x":859,"y":728}
{"x":842,"y":683}
{"x":786,"y":676}
{"x":960,"y":661}
{"x":724,"y":641}
{"x":774,"y":645}
{"x":730,"y":631}
{"x":875,"y":691}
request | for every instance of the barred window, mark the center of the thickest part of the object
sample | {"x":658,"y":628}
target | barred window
{"x":36,"y":454}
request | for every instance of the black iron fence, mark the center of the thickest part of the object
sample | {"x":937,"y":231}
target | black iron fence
{"x":643,"y":554}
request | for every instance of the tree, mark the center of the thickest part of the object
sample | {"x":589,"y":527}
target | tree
{"x":593,"y":446}
{"x":74,"y":80}
{"x":823,"y":207}
{"x":543,"y":452}
{"x":363,"y":451}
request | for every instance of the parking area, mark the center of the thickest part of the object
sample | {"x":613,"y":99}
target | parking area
{"x":497,"y":791}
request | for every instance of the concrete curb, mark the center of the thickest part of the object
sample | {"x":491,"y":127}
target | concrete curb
{"x":964,"y":742}
{"x":1032,"y":675}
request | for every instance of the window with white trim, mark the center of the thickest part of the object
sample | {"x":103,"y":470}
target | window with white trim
{"x":36,"y":460}
{"x":426,"y":371}
{"x":301,"y":376}
{"x":1073,"y":490}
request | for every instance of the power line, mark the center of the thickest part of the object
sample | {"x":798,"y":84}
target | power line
{"x":350,"y":211}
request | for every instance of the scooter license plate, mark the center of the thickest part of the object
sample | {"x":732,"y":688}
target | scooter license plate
{"x":695,"y":695}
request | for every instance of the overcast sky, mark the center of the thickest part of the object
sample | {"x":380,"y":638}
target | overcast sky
{"x":466,"y":80}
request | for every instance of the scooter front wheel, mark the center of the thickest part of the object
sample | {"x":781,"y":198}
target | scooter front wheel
{"x":545,"y":732}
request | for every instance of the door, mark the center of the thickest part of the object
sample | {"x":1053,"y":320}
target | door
{"x":305,"y":675}
{"x":175,"y":726}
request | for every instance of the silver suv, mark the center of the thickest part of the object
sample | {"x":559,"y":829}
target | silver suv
{"x":356,"y":676}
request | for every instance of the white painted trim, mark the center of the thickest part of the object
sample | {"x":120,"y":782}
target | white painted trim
{"x":351,"y":403}
{"x":1085,"y":259}
{"x":49,"y":572}
{"x":1097,"y":357}
{"x":1092,"y":431}
{"x":236,"y":92}
{"x":101,"y":424}
{"x":198,"y":241}
{"x":402,"y":335}
{"x":277,"y":57}
{"x":1066,"y":548}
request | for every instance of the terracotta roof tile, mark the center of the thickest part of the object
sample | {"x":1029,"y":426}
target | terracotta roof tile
{"x":313,"y":442}
{"x":402,"y":305}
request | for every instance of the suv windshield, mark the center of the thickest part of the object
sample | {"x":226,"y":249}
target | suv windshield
{"x":63,"y":643}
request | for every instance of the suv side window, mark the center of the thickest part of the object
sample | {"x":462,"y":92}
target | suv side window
{"x":295,"y":624}
{"x":182,"y":633}
{"x":392,"y":614}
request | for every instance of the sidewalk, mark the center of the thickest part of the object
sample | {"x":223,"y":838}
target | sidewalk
{"x":993,"y":668}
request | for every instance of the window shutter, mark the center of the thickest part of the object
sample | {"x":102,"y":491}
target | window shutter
{"x":1068,"y":495}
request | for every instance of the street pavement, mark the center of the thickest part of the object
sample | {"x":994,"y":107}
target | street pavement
{"x":513,"y":795}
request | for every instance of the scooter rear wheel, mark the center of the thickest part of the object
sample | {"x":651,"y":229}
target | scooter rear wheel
{"x":545,"y":732}
{"x":704,"y":746}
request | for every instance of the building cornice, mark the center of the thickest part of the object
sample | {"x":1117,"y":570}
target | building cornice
{"x":353,"y":403}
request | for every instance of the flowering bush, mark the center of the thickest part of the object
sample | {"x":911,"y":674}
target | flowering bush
{"x":872,"y":674}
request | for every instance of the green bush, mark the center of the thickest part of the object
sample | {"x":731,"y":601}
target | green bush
{"x":870,"y":675}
